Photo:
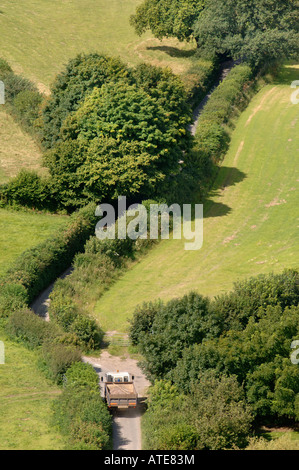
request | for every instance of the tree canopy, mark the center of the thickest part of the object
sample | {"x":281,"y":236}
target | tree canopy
{"x":167,"y":18}
{"x":257,"y":31}
{"x":125,"y":138}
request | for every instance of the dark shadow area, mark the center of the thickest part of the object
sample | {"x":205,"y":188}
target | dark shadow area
{"x":173,"y":51}
{"x":286,"y":76}
{"x":227,"y":176}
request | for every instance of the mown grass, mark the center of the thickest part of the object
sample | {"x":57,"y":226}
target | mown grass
{"x":38,"y":38}
{"x":17,"y":149}
{"x":25,"y":402}
{"x":250,"y":219}
{"x":22,"y":230}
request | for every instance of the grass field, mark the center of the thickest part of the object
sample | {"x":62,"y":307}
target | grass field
{"x":22,"y":230}
{"x":17,"y":149}
{"x":38,"y":38}
{"x":250,"y":220}
{"x":25,"y":402}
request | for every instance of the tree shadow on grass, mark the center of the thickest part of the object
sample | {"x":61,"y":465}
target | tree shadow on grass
{"x":173,"y":51}
{"x":228,"y":176}
{"x":287,"y":75}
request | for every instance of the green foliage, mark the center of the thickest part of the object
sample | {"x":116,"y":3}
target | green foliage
{"x":80,"y":413}
{"x":222,"y":418}
{"x":257,"y":32}
{"x":27,"y":106}
{"x":214,"y":417}
{"x":28,"y":189}
{"x":167,"y":18}
{"x":211,"y":138}
{"x":14,"y":85}
{"x":259,"y":356}
{"x":164,"y":330}
{"x":5,"y":68}
{"x":81,"y":375}
{"x":235,"y":308}
{"x":71,"y":86}
{"x":39,"y":266}
{"x":123,"y":140}
{"x":30,"y":329}
{"x":13,"y":297}
{"x":57,"y":358}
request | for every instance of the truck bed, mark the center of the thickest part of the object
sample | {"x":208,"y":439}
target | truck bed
{"x":121,"y":391}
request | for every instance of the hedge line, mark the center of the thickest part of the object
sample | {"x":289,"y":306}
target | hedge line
{"x":22,"y":98}
{"x":37,"y":267}
{"x":211,"y":137}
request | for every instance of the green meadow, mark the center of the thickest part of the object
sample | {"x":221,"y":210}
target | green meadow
{"x":38,"y":38}
{"x":25,"y":402}
{"x":22,"y":230}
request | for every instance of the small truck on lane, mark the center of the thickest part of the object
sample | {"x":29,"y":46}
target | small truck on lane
{"x":119,"y":390}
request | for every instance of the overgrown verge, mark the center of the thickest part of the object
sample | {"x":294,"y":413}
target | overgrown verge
{"x":195,"y":346}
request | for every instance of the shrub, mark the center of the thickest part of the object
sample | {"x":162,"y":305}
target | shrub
{"x":235,"y":308}
{"x":211,"y":138}
{"x":83,"y":417}
{"x":71,"y":87}
{"x":13,"y":297}
{"x":30,"y":329}
{"x":57,"y":358}
{"x":15,"y":84}
{"x":30,"y":190}
{"x":82,"y":375}
{"x":27,"y":106}
{"x":88,"y":332}
{"x":164,"y":334}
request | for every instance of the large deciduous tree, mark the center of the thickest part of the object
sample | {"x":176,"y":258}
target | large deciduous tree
{"x":167,"y":18}
{"x":256,"y":30}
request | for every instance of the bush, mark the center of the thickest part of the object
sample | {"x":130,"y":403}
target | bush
{"x":235,"y":308}
{"x":27,"y":106}
{"x":14,"y":84}
{"x":30,"y":190}
{"x":80,"y":77}
{"x":13,"y":297}
{"x":163,"y":331}
{"x":30,"y":329}
{"x":82,"y":375}
{"x":80,"y":413}
{"x":57,"y":358}
{"x":88,"y":332}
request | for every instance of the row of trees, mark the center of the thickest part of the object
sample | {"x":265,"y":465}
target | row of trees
{"x":243,"y":338}
{"x":256,"y":30}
